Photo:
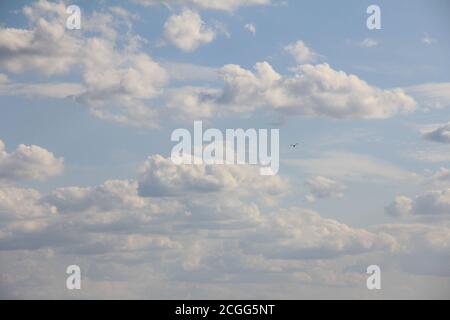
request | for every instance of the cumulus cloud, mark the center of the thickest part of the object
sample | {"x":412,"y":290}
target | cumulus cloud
{"x":122,"y":84}
{"x":321,"y":188}
{"x":297,"y":233}
{"x":117,"y":77}
{"x":315,"y":90}
{"x":301,"y":53}
{"x":161,"y":177}
{"x":22,"y":204}
{"x":110,"y":196}
{"x":401,"y":206}
{"x":45,"y":48}
{"x":191,"y":238}
{"x":188,"y":31}
{"x":429,"y":203}
{"x":28,"y":162}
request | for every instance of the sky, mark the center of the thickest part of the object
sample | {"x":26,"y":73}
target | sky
{"x":86,"y":176}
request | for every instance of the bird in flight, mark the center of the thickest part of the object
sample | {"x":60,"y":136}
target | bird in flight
{"x":294,"y":145}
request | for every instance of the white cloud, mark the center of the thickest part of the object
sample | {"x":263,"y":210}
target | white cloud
{"x":28,"y":162}
{"x":250,"y":28}
{"x":161,"y":177}
{"x":297,"y":233}
{"x":117,"y":76}
{"x":316,"y":90}
{"x":45,"y":48}
{"x":301,"y":52}
{"x":110,"y":196}
{"x":322,"y":188}
{"x":22,"y":204}
{"x":187,"y":31}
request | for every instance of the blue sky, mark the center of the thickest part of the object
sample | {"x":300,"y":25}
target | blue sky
{"x":369,"y":107}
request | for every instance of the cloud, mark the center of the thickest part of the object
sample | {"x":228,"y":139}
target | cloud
{"x":117,"y":76}
{"x":322,"y":188}
{"x":250,"y":28}
{"x":402,"y":206}
{"x":428,"y":40}
{"x":28,"y":162}
{"x":315,"y":90}
{"x":187,"y":31}
{"x":191,"y":238}
{"x":301,"y":52}
{"x":162,"y":178}
{"x":422,"y":249}
{"x":110,"y":196}
{"x":46,"y":48}
{"x":297,"y":233}
{"x":224,"y":5}
{"x":431,"y":95}
{"x":352,"y":166}
{"x":429,"y":203}
{"x":369,"y":43}
{"x":440,"y":134}
{"x":22,"y":204}
{"x":53,"y":90}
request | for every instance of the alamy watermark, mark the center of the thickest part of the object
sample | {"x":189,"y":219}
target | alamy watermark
{"x":73,"y":281}
{"x":73,"y":22}
{"x":374,"y":20}
{"x":373,"y":282}
{"x":235,"y":147}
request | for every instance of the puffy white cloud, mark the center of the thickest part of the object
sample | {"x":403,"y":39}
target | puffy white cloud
{"x":321,"y":188}
{"x":110,"y":196}
{"x":315,"y":90}
{"x":440,"y":134}
{"x":161,"y":177}
{"x":45,"y":48}
{"x":18,"y":204}
{"x":301,"y":52}
{"x":188,"y":31}
{"x":28,"y":162}
{"x":194,"y":239}
{"x":117,"y":76}
{"x":297,"y":233}
{"x":225,"y":5}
